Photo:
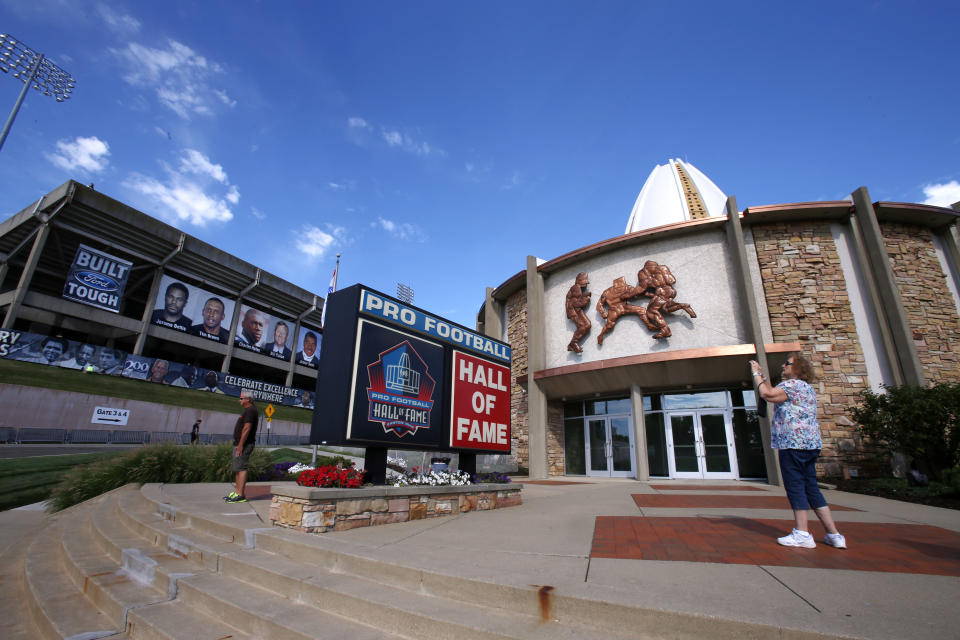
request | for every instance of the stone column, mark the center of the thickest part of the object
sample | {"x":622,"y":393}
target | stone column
{"x":904,"y":356}
{"x":492,"y":318}
{"x":751,"y":319}
{"x":536,"y":360}
{"x":639,"y":433}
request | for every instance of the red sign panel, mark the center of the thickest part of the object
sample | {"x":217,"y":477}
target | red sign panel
{"x":480,"y":404}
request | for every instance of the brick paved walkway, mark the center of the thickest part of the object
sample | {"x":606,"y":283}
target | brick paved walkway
{"x":716,"y":502}
{"x":901,"y":548}
{"x":704,"y":487}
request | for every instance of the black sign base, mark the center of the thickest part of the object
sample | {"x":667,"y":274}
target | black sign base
{"x":375,"y":464}
{"x":468,"y":463}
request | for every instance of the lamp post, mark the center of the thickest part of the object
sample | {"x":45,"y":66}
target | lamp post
{"x":31,"y":68}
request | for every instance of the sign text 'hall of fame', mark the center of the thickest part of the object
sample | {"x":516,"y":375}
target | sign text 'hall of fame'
{"x":480,"y":404}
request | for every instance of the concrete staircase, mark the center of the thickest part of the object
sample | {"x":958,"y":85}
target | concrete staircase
{"x":129,"y":565}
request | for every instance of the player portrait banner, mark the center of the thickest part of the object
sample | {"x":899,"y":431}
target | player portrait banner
{"x":308,"y":349}
{"x":81,"y":356}
{"x":192,"y":310}
{"x":97,"y":279}
{"x":261,"y":332}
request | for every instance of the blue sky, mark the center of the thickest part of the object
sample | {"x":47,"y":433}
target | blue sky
{"x":438,"y":144}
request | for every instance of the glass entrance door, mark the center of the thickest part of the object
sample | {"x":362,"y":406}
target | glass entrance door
{"x":701,"y":445}
{"x":609,"y":445}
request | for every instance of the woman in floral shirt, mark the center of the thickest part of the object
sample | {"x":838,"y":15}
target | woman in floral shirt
{"x":795,"y":433}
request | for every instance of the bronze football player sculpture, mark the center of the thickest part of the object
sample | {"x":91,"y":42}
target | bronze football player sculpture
{"x":656,"y":282}
{"x":577,"y":301}
{"x":616,"y":299}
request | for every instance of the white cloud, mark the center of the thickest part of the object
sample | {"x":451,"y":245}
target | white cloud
{"x":193,"y":192}
{"x":942,"y":195}
{"x":181,"y":199}
{"x":314,"y":242}
{"x":357,"y":123}
{"x":179,"y":77}
{"x":195,"y":162}
{"x":407,"y":143}
{"x":122,"y":24}
{"x":401,"y":230}
{"x":256,"y":213}
{"x":86,"y":154}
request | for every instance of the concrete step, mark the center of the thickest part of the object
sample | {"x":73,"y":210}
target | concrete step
{"x":177,"y":536}
{"x":58,"y":607}
{"x":316,"y":552}
{"x":110,"y":586}
{"x":414,"y":612}
{"x":153,"y":564}
{"x":16,"y":623}
{"x":177,"y":621}
{"x":264,"y":614}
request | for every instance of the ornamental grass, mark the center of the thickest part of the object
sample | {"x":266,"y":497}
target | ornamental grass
{"x":154,"y":463}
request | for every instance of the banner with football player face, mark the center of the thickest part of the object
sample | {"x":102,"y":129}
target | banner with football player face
{"x":308,"y":351}
{"x":263,"y":333}
{"x":192,"y":310}
{"x":85,"y":357}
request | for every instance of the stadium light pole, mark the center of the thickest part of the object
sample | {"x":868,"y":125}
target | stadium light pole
{"x":31,"y":68}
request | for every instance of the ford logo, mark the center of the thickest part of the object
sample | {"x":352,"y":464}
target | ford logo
{"x":96,"y":280}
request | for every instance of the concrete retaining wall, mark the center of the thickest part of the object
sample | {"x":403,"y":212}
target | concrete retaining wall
{"x":33,"y":407}
{"x":313,"y":510}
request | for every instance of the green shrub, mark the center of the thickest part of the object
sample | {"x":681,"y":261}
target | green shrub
{"x":920,"y":422}
{"x":951,"y":478}
{"x":154,"y":463}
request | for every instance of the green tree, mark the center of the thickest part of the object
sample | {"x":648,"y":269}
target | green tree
{"x":920,"y":422}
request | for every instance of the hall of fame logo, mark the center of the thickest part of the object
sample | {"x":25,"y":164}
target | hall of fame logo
{"x":400,"y":394}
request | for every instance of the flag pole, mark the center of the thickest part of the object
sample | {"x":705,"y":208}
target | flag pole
{"x":323,"y":318}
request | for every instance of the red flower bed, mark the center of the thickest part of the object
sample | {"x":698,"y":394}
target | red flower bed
{"x":331,"y":476}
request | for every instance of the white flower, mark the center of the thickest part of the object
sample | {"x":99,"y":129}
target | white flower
{"x":434,"y":479}
{"x":297,"y":468}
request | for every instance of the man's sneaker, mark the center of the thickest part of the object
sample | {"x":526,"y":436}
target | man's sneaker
{"x":235,"y":498}
{"x":798,"y":539}
{"x":836,"y":540}
{"x":230,"y":496}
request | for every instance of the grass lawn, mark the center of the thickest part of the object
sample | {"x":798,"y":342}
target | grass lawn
{"x":25,"y":481}
{"x":35,"y":375}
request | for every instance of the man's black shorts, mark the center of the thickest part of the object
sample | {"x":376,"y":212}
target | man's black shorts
{"x":241,"y":462}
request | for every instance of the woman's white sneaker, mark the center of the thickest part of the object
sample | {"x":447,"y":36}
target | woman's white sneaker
{"x":798,"y":539}
{"x":836,"y":540}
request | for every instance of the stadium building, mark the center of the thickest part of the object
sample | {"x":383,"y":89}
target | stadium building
{"x":87,"y":282}
{"x":647,"y":376}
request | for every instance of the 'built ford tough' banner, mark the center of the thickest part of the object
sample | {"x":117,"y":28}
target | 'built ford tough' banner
{"x":97,"y":278}
{"x":392,"y":375}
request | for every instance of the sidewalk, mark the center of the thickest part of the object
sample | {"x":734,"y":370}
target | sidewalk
{"x":708,"y":549}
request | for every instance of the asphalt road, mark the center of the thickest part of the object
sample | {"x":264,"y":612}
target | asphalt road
{"x":31,"y":450}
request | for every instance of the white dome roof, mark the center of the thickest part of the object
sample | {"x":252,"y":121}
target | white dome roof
{"x":675,"y":192}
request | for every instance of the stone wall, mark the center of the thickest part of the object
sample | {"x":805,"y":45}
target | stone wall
{"x":312,"y":510}
{"x":556,"y":462}
{"x":807,"y":302}
{"x":516,"y":312}
{"x":927,"y":300}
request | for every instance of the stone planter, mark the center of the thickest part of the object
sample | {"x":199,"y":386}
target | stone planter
{"x":313,"y":510}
